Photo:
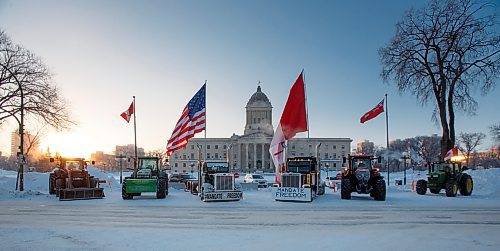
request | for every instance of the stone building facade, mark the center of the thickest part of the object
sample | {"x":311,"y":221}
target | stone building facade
{"x":250,"y":151}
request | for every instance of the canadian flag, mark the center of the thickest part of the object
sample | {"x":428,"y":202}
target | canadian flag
{"x":451,"y":153}
{"x":373,"y":112}
{"x":293,"y":120}
{"x":128,"y":113}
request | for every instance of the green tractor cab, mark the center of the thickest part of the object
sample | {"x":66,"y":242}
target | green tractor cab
{"x":147,"y":178}
{"x":448,"y":176}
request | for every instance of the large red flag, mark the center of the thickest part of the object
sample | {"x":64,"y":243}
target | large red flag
{"x":373,"y":112}
{"x":128,"y":113}
{"x":293,"y":120}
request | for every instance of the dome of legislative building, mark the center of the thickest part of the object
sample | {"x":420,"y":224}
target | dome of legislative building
{"x":259,"y":99}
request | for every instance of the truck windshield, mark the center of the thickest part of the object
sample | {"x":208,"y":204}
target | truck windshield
{"x":298,"y":167}
{"x":221,"y":167}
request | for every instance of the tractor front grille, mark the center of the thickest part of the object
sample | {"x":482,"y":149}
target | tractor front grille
{"x":224,"y":182}
{"x":290,"y":180}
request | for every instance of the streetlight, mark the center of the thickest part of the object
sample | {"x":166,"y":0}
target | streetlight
{"x":404,"y":158}
{"x":192,"y":167}
{"x":327,"y":166}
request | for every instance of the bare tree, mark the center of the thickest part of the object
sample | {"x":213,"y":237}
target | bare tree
{"x":495,"y":134}
{"x":22,"y":71}
{"x":469,"y":142}
{"x":426,"y":147}
{"x":440,"y":54}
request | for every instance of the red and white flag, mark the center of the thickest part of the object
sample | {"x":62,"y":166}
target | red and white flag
{"x":373,"y":112}
{"x":293,"y":120}
{"x":128,"y":113}
{"x":191,"y":122}
{"x":451,"y":153}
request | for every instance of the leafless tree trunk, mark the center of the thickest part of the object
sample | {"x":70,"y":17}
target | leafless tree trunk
{"x":469,"y":142}
{"x":441,"y":53}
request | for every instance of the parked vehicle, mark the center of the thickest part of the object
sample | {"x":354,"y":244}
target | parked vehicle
{"x":256,"y":178}
{"x":147,"y":177}
{"x":330,"y":181}
{"x":70,"y":180}
{"x":360,"y":176}
{"x":447,"y":176}
{"x":181,"y":177}
{"x":300,"y":181}
{"x":217,"y":183}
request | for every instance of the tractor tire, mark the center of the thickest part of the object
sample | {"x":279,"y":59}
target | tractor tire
{"x":435,"y":190}
{"x":466,"y":185}
{"x":52,"y":184}
{"x":451,"y":188}
{"x":321,"y":190}
{"x":421,"y":187}
{"x":125,"y":195}
{"x":380,"y":190}
{"x":161,"y":190}
{"x":345,"y":189}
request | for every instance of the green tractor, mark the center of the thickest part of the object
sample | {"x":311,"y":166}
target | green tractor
{"x":147,"y":177}
{"x":447,"y":176}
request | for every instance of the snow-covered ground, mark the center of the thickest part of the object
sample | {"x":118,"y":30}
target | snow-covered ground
{"x":35,"y":220}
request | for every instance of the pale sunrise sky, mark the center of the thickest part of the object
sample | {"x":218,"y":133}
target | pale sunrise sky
{"x":103,"y":52}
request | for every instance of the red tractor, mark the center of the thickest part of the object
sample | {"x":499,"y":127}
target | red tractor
{"x":362,"y":177}
{"x":70,"y":180}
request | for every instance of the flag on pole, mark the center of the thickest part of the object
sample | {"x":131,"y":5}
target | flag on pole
{"x":192,"y":121}
{"x":451,"y":153}
{"x":128,"y":113}
{"x":293,"y":120}
{"x":373,"y":112}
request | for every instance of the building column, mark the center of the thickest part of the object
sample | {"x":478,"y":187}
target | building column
{"x":255,"y":155}
{"x":246,"y":156}
{"x":263,"y":157}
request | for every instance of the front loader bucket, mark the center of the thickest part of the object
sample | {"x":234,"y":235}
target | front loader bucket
{"x":81,"y":194}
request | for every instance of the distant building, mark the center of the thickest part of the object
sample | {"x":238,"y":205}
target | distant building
{"x":250,"y":151}
{"x":104,"y":161}
{"x":15,"y":141}
{"x":365,"y":147}
{"x":129,"y":151}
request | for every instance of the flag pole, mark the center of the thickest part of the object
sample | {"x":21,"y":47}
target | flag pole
{"x":387,"y":138}
{"x":135,"y":140}
{"x":307,"y":109}
{"x":205,"y":131}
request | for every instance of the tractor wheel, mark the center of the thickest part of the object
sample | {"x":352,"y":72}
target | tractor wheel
{"x":435,"y":190}
{"x":125,"y":195}
{"x":345,"y":189}
{"x":451,"y":188}
{"x":161,"y":189}
{"x":380,"y":191}
{"x":52,"y":184}
{"x":321,"y":190}
{"x":421,"y":187}
{"x":466,"y":185}
{"x":166,"y":186}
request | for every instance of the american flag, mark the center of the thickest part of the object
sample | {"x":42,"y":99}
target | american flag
{"x":192,"y":121}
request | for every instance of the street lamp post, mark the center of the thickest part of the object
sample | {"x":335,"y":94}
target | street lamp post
{"x":192,"y":167}
{"x":405,"y":157}
{"x":327,"y":166}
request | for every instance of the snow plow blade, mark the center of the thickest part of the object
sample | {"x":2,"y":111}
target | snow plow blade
{"x":81,"y":194}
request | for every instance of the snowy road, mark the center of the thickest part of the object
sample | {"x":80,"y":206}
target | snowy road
{"x":182,"y":222}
